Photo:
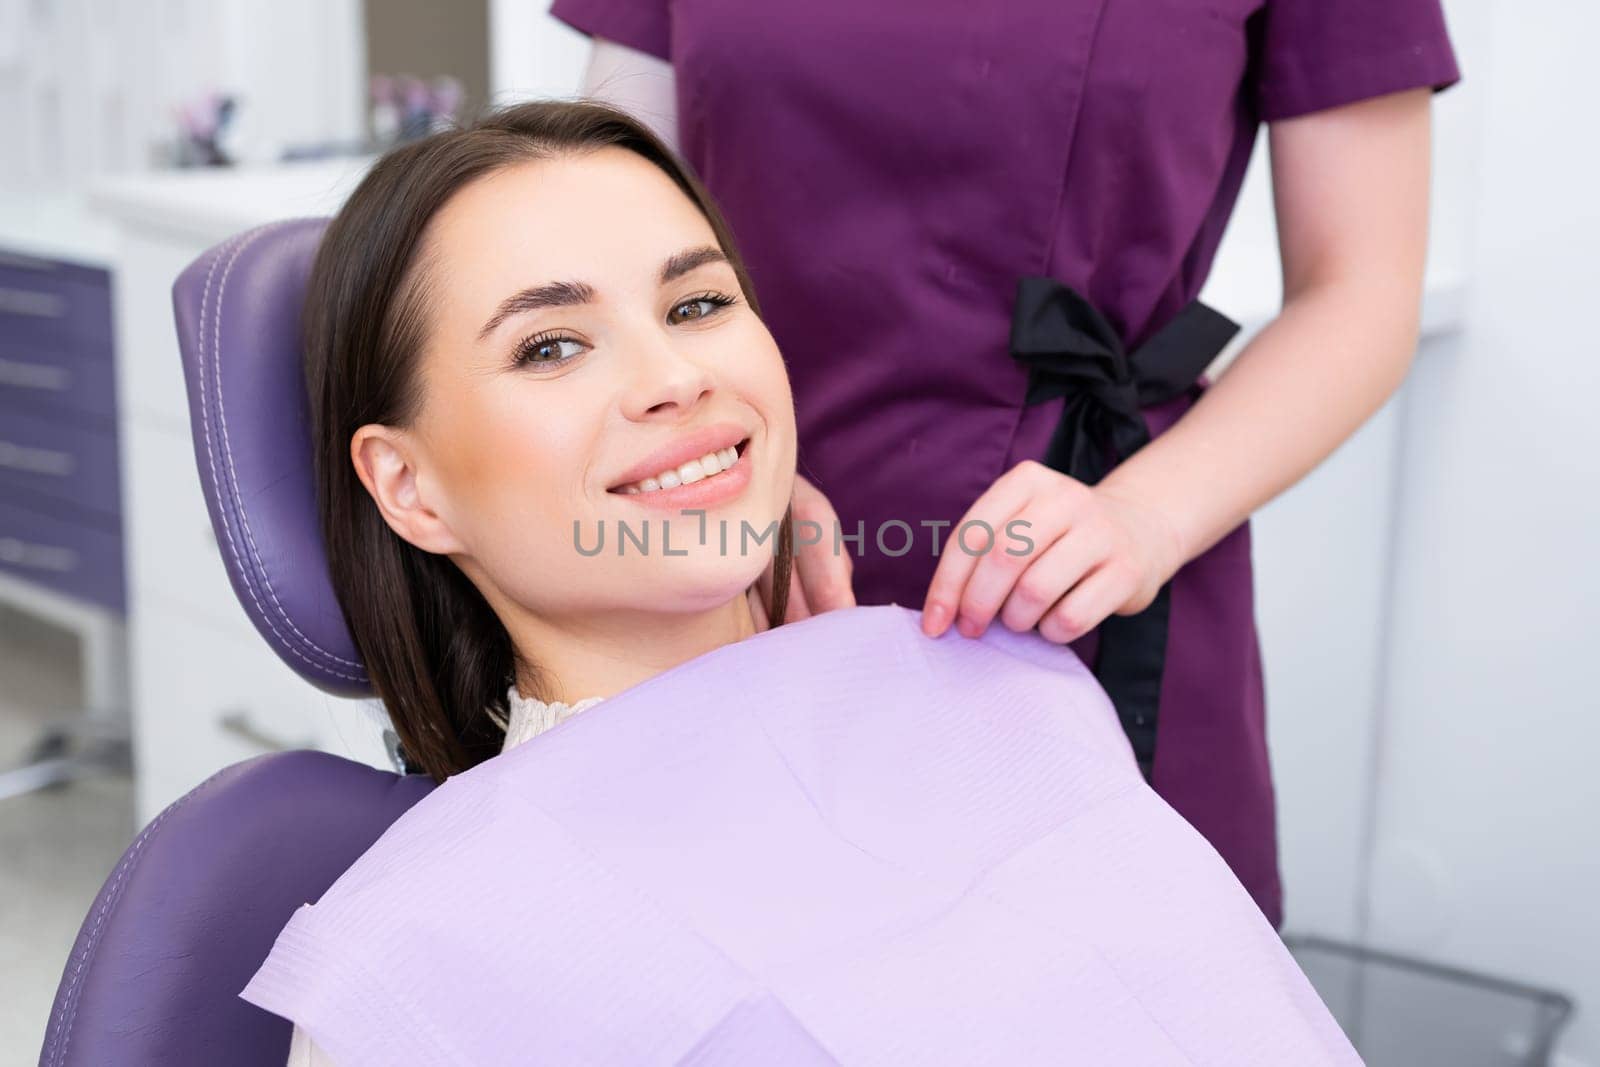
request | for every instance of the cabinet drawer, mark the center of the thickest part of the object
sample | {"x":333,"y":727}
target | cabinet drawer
{"x":204,"y":698}
{"x":61,"y":459}
{"x":49,"y":379}
{"x":55,"y":305}
{"x":72,"y":557}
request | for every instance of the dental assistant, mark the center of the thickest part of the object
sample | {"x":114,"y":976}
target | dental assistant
{"x":978,"y":233}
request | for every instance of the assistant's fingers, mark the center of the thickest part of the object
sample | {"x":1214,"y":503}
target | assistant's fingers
{"x":825,"y":575}
{"x":826,"y":578}
{"x":1053,"y":575}
{"x":1055,"y":504}
{"x":969,"y":544}
{"x":1088,"y":605}
{"x":1060,"y":505}
{"x":957,"y":559}
{"x":1014,"y":552}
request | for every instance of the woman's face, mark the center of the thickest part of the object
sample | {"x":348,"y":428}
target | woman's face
{"x":578,"y":343}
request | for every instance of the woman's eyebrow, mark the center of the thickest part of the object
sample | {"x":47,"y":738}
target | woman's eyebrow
{"x":678,"y":265}
{"x":566,"y":294}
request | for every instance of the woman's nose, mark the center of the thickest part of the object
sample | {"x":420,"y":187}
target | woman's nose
{"x":663,"y":372}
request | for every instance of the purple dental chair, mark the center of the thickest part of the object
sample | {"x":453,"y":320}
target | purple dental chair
{"x":195,"y":903}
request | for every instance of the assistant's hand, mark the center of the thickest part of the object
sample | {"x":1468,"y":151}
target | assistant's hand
{"x":820,"y":580}
{"x":1094,"y":554}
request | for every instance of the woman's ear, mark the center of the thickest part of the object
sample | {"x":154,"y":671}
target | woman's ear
{"x":386,"y":461}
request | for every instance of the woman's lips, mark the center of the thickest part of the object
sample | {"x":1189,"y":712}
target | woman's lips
{"x":719,"y":488}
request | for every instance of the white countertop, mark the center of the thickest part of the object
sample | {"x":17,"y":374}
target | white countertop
{"x":54,"y":226}
{"x":216,"y":202}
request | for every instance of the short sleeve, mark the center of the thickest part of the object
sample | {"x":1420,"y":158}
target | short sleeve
{"x":1316,"y":54}
{"x":645,"y":25}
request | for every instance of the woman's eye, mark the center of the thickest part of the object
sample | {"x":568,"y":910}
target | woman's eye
{"x":702,"y":306}
{"x":546,"y":350}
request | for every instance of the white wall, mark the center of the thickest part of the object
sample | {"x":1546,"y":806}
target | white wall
{"x":1488,"y":818}
{"x":1322,"y":550}
{"x":531,"y":55}
{"x":90,"y":86}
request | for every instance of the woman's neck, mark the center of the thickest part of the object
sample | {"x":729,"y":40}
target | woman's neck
{"x":577,"y":657}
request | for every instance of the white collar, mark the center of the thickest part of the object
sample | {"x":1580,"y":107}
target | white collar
{"x":530,"y":717}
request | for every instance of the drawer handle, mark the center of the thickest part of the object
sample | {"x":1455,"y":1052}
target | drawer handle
{"x":35,"y":376}
{"x":30,"y":302}
{"x":20,"y":553}
{"x":48,"y":461}
{"x":236,"y":721}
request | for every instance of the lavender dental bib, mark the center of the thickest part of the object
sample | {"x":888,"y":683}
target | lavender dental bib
{"x":839,"y":841}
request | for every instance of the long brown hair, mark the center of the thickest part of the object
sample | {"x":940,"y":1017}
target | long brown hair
{"x":436,"y":653}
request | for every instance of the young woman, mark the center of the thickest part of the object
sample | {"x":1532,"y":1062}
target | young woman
{"x":523,"y":339}
{"x":529,"y":339}
{"x":510,"y":329}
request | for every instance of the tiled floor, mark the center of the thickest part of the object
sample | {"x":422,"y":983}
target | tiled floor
{"x":56,"y":846}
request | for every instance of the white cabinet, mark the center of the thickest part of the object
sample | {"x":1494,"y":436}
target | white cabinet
{"x":205,"y":696}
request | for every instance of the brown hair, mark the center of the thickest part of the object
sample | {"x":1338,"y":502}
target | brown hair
{"x":435,"y":652}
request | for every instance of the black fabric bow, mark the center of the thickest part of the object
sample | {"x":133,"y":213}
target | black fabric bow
{"x":1071,"y":351}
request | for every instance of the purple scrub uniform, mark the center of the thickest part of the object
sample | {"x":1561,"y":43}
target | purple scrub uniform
{"x":891,"y":171}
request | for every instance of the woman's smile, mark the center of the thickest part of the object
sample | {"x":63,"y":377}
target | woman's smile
{"x":690,"y":486}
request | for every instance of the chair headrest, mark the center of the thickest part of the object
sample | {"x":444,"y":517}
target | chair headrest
{"x":238,"y":313}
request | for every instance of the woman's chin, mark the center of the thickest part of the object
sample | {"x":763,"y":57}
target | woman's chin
{"x":705,"y":583}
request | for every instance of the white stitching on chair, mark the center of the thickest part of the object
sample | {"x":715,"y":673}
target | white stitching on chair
{"x":56,"y":1053}
{"x":222,"y":419}
{"x":236,"y":246}
{"x":205,"y":420}
{"x":233,"y":251}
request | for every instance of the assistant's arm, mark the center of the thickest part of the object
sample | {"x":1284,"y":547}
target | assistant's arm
{"x":637,"y":82}
{"x":1350,"y":185}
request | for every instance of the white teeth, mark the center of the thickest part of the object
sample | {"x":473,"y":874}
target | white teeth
{"x":693,"y":471}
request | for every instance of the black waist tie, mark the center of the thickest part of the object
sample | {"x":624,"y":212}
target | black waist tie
{"x":1072,"y":351}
